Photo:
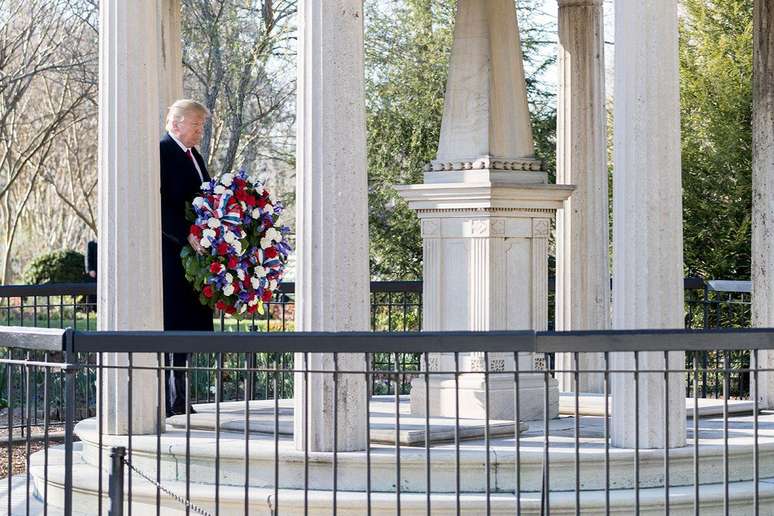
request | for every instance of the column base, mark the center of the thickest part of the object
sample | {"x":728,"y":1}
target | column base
{"x":472,"y":397}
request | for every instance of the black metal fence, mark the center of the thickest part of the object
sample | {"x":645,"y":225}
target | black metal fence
{"x":239,"y":457}
{"x":395,"y":306}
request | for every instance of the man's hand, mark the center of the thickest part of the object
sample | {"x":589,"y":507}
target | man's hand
{"x":195,"y":244}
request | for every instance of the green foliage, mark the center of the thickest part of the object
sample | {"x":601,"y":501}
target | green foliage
{"x":56,"y":267}
{"x":716,"y":97}
{"x":407,"y":51}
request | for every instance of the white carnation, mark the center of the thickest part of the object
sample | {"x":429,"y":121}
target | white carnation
{"x":269,"y":208}
{"x":204,"y":242}
{"x":243,"y":309}
{"x":205,"y":185}
{"x":229,"y":278}
{"x":273,"y":234}
{"x":228,"y":290}
{"x":229,"y":237}
{"x":214,"y":223}
{"x":198,"y":202}
{"x":255,"y":282}
{"x":241,"y":274}
{"x":226,"y":179}
{"x":260,"y":272}
{"x":265,"y":242}
{"x":209,"y":233}
{"x":273,"y":284}
{"x":256,"y":213}
{"x":220,"y":189}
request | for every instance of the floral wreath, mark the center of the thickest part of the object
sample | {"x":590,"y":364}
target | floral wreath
{"x":245,"y":250}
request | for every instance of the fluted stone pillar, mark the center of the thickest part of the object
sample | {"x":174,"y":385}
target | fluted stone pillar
{"x":763,"y":188}
{"x":129,"y":284}
{"x":647,"y":217}
{"x":332,"y":279}
{"x":485,"y":209}
{"x":170,"y":56}
{"x":582,"y":227}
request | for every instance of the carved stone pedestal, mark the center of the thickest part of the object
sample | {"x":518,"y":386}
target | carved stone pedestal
{"x":485,"y":268}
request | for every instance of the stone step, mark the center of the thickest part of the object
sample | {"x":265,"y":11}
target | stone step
{"x":353,"y":469}
{"x":591,"y":404}
{"x":291,"y":501}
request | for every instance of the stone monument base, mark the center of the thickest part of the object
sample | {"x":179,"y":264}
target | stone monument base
{"x":444,"y":394}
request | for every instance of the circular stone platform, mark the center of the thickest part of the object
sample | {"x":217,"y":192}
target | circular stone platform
{"x":353,"y":471}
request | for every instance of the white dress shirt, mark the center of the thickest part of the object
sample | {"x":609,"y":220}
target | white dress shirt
{"x":186,"y":149}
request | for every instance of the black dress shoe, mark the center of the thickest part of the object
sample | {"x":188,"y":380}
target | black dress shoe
{"x":178,"y":410}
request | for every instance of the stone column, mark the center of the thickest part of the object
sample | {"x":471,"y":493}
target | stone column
{"x":129,"y":284}
{"x":583,"y":275}
{"x":170,"y":57}
{"x":763,"y":187}
{"x":485,"y":209}
{"x":332,"y":278}
{"x":647,"y":217}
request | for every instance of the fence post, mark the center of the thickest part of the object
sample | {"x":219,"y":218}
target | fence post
{"x":116,"y":482}
{"x":71,"y":369}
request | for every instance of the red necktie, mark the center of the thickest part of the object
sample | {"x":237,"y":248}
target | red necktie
{"x":190,"y":155}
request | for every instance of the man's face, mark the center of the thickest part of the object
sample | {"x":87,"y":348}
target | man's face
{"x":189,"y":130}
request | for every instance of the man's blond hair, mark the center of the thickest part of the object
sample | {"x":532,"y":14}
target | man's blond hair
{"x":185,"y":107}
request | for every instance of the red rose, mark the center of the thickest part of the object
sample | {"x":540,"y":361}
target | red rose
{"x":207,"y":291}
{"x":266,"y":297}
{"x":215,"y":267}
{"x":233,"y":262}
{"x":230,"y":310}
{"x":252,"y":309}
{"x":236,"y":286}
{"x":220,"y":305}
{"x":223,"y":249}
{"x":262,"y":203}
{"x":270,"y":252}
{"x":196,"y":231}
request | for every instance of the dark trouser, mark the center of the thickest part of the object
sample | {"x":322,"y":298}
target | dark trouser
{"x":176,"y":388}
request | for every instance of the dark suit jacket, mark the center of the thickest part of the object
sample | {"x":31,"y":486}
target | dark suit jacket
{"x":91,"y":256}
{"x":180,"y":183}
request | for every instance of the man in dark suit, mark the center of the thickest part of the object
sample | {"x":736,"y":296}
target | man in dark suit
{"x":182,"y":173}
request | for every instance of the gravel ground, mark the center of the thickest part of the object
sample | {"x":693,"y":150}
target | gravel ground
{"x":19,"y":461}
{"x":19,"y":455}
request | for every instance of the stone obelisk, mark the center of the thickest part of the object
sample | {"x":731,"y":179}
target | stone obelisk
{"x":486,"y":210}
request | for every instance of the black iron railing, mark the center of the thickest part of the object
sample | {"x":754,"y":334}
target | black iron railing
{"x":395,"y":306}
{"x":564,"y":464}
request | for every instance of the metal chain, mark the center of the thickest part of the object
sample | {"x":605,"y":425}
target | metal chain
{"x":178,"y":498}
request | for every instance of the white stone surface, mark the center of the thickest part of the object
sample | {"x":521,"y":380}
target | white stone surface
{"x":647,"y":218}
{"x":591,"y":404}
{"x":582,"y":226}
{"x":170,"y":57}
{"x":485,"y":111}
{"x":352,"y":469}
{"x":353,"y":466}
{"x":332,"y":278}
{"x":485,"y":268}
{"x":486,"y":212}
{"x":129,"y":286}
{"x":763,"y":189}
{"x":384,"y":427}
